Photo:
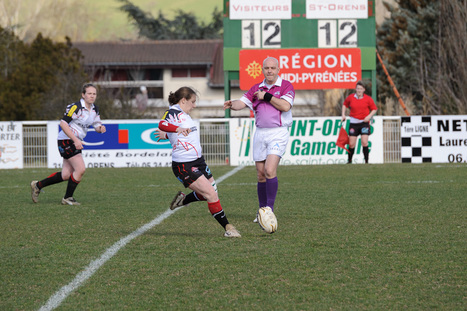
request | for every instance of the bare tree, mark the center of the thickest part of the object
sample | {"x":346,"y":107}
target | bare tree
{"x":452,"y":50}
{"x":423,"y":46}
{"x":54,"y":19}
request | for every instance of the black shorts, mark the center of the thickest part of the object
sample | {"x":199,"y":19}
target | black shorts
{"x":189,"y":172}
{"x":67,"y":148}
{"x":356,"y":129}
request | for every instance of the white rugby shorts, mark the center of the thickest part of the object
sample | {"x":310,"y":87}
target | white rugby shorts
{"x":269,"y":141}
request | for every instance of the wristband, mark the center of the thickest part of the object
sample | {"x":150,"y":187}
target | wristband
{"x":267,"y":97}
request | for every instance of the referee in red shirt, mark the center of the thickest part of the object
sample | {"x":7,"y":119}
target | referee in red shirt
{"x":362,"y":109}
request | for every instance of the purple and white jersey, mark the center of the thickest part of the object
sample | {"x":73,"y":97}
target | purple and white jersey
{"x":266,"y":115}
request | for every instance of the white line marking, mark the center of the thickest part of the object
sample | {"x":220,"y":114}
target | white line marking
{"x":415,"y":182}
{"x":55,"y":300}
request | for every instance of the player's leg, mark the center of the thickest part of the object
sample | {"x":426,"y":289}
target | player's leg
{"x":182,"y":172}
{"x":67,"y":169}
{"x":54,"y":178}
{"x":276,"y":141}
{"x":36,"y":186}
{"x":204,"y":187}
{"x":365,"y":149}
{"x":354,"y":131}
{"x":352,"y":143}
{"x":182,"y":199}
{"x":261,"y":184}
{"x":260,"y":153}
{"x":75,"y":169}
{"x":272,"y":183}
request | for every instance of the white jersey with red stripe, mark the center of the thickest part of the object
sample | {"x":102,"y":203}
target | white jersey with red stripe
{"x":185,"y":148}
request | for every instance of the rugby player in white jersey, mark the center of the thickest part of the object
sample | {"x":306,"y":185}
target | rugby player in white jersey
{"x":75,"y":123}
{"x":188,"y":163}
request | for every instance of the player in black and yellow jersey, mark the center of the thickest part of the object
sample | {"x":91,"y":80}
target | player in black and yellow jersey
{"x":75,"y":123}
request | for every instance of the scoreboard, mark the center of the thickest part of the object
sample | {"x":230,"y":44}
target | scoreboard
{"x":320,"y":44}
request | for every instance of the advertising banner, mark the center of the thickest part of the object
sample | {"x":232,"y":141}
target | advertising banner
{"x":333,"y":9}
{"x":437,"y":139}
{"x":312,"y":141}
{"x":11,"y":145}
{"x":126,"y":143}
{"x":307,"y":69}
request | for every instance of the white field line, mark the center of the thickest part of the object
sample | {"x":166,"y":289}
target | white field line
{"x":57,"y":298}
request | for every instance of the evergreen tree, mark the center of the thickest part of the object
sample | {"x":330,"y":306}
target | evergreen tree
{"x":423,"y":47}
{"x":184,"y":26}
{"x":38,"y":79}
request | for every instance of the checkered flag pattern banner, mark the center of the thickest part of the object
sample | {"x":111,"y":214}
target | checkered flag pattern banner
{"x":416,"y":139}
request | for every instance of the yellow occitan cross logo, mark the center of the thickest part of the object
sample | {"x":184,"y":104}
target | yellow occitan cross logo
{"x":254,"y":69}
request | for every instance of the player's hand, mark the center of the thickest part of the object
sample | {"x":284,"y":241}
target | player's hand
{"x":184,"y":131}
{"x":160,"y":135}
{"x":260,"y":94}
{"x":78,"y":145}
{"x":228,"y":104}
{"x":102,"y":129}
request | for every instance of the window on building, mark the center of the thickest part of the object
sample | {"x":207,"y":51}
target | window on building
{"x":188,"y":72}
{"x":119,"y":75}
{"x":198,"y":72}
{"x":155,"y":92}
{"x":154,"y":74}
{"x":179,"y":73}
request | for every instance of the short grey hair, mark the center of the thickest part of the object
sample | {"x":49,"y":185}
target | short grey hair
{"x":273,"y":58}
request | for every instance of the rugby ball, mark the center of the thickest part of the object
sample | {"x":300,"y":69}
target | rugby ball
{"x":267,"y":220}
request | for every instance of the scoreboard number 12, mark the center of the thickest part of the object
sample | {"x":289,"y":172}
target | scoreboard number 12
{"x":267,"y":33}
{"x":341,"y":33}
{"x":261,"y":34}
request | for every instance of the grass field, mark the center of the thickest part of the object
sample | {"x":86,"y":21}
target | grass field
{"x":350,"y":237}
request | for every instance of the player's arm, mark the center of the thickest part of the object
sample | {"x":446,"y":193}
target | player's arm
{"x":100,"y":129}
{"x":368,"y":117}
{"x":344,"y":109}
{"x":67,"y":130}
{"x":373,"y":110}
{"x":64,"y":124}
{"x":234,"y":104}
{"x":165,"y":126}
{"x":160,"y":135}
{"x":278,"y":103}
{"x":97,"y":124}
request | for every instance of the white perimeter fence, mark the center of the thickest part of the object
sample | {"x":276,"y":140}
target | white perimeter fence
{"x":215,"y":140}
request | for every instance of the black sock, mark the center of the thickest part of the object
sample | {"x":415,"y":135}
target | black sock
{"x":193,"y":197}
{"x":218,"y":213}
{"x":221,"y":218}
{"x":351,"y":151}
{"x":366,"y":153}
{"x":70,"y":189}
{"x":54,"y":178}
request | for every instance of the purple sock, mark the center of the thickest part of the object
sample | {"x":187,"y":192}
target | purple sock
{"x":262,"y":195}
{"x":271,"y":189}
